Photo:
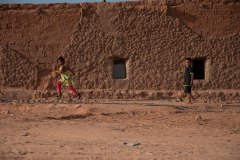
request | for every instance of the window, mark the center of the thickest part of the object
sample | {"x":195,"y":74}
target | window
{"x":119,"y":69}
{"x":199,"y":68}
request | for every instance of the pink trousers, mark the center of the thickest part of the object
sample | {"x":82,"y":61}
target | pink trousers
{"x":70,"y":88}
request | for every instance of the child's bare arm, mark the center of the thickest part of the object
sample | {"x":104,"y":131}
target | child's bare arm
{"x":192,"y":76}
{"x":59,"y":71}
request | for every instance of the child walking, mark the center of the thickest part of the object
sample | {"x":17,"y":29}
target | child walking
{"x":188,"y":79}
{"x":65,"y":79}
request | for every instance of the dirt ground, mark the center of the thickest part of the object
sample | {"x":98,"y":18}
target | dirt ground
{"x":124,"y":130}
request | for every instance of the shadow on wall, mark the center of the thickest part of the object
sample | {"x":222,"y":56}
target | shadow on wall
{"x":16,"y":70}
{"x":183,"y":16}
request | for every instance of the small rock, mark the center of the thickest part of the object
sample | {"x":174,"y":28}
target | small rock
{"x":48,"y":101}
{"x":20,"y":101}
{"x":5,"y":112}
{"x":132,"y":144}
{"x":78,"y":106}
{"x":25,"y":134}
{"x":30,"y":101}
{"x":38,"y":101}
{"x":22,"y":152}
{"x":149,"y":154}
{"x":179,"y":100}
{"x":15,"y":151}
{"x":198,"y":118}
{"x":14,"y":103}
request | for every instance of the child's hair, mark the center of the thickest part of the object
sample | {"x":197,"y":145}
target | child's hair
{"x":61,"y":59}
{"x":189,"y":59}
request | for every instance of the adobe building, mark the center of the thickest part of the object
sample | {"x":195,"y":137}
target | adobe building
{"x":124,"y":50}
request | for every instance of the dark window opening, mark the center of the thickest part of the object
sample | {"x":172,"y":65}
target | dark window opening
{"x":199,"y":68}
{"x":119,"y":69}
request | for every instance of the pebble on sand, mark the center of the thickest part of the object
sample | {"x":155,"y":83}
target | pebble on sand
{"x":25,"y":134}
{"x":198,"y":118}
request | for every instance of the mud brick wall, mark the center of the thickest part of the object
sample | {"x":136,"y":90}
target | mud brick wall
{"x":209,"y":19}
{"x":154,"y":44}
{"x":153,"y":37}
{"x":38,"y":32}
{"x":16,"y":70}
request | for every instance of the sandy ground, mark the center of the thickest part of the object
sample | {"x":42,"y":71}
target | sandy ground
{"x":158,"y":129}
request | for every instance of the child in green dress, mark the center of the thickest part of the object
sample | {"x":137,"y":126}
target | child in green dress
{"x":65,"y":78}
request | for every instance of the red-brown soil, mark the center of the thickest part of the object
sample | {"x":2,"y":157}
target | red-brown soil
{"x":98,"y":130}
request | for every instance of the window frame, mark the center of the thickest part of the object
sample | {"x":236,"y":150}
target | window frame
{"x":204,"y":68}
{"x":124,"y":61}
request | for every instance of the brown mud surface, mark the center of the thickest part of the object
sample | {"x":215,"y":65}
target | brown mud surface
{"x":98,"y":130}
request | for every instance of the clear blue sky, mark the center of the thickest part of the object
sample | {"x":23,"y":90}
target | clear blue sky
{"x":55,"y":1}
